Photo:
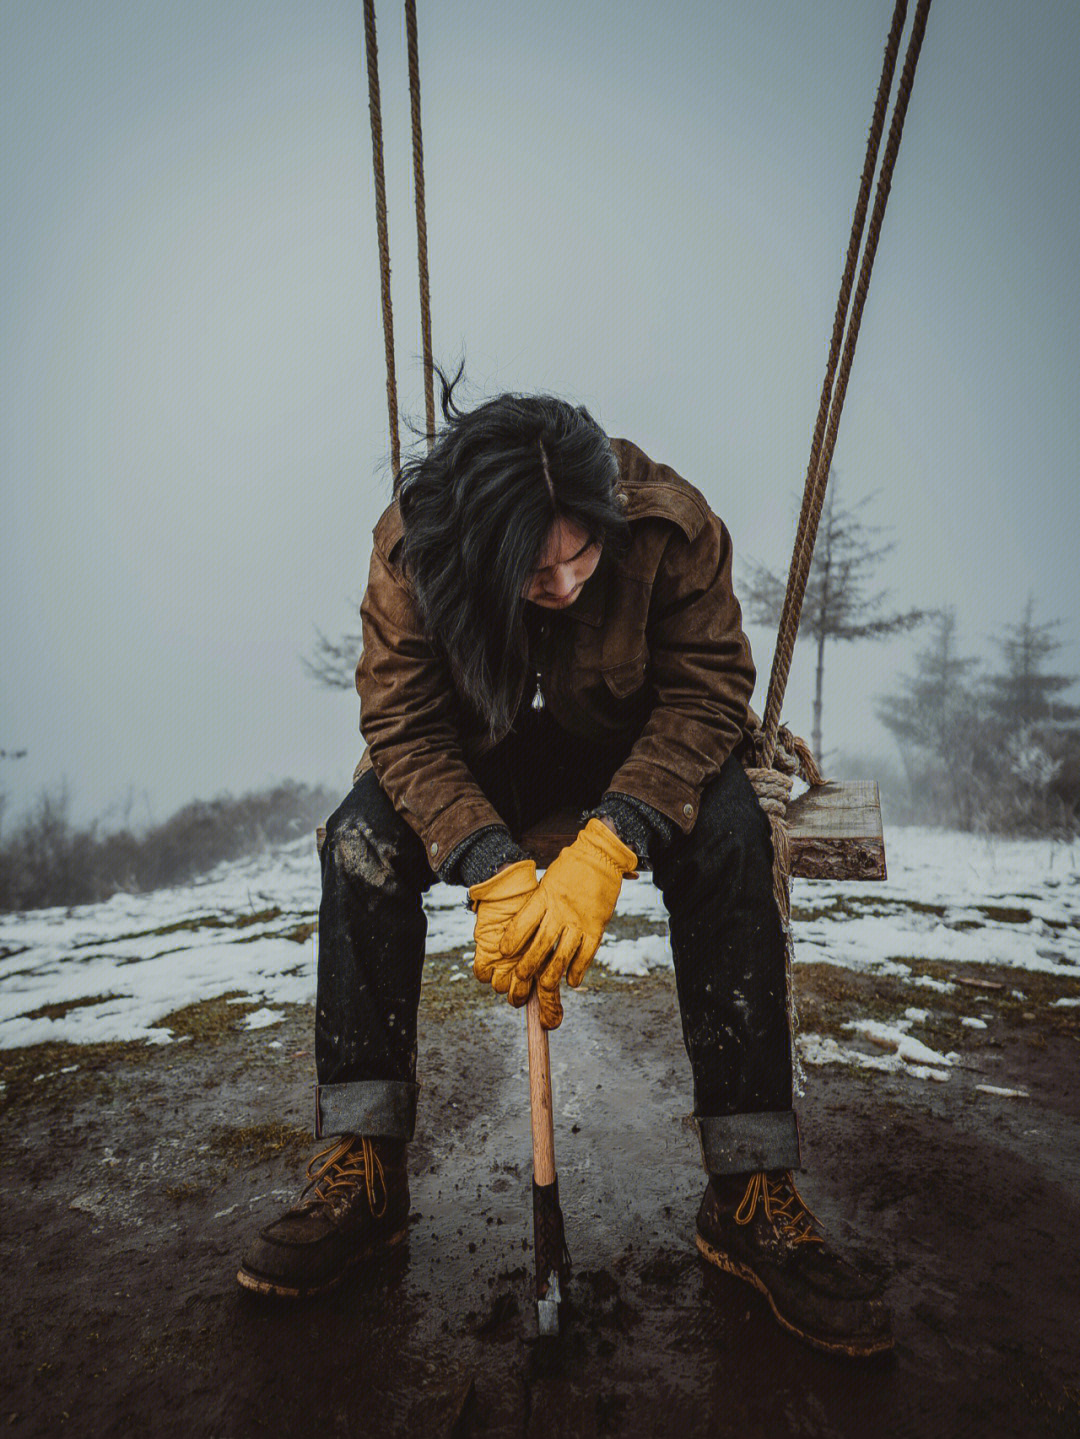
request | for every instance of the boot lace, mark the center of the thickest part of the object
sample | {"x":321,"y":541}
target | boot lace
{"x":346,"y":1162}
{"x":783,"y":1205}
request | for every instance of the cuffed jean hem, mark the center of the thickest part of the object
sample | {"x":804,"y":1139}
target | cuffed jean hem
{"x":384,"y":1107}
{"x":745,"y":1143}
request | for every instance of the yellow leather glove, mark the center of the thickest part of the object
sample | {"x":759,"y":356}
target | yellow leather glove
{"x":566,"y":916}
{"x":495,"y":902}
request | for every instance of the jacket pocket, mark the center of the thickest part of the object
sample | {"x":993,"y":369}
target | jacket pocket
{"x":628,"y":675}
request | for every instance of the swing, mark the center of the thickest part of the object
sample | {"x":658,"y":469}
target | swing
{"x":833,"y":830}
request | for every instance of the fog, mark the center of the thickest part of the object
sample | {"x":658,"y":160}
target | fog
{"x":640,"y":208}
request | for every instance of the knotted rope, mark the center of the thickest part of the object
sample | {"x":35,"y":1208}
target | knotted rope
{"x":772,"y":785}
{"x":776,"y":755}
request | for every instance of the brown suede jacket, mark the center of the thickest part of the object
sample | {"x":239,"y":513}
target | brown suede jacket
{"x":653,"y":646}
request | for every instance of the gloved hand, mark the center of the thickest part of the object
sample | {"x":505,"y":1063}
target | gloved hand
{"x":495,"y":902}
{"x":565,"y":917}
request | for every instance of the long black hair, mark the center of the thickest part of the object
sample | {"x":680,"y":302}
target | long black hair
{"x":477,"y":509}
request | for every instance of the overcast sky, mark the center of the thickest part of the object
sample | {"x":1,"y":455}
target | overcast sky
{"x":643,"y":208}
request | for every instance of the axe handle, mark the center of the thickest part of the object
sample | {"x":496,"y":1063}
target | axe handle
{"x":543,"y":1125}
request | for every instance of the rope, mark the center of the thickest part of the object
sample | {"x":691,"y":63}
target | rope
{"x":772,"y":784}
{"x":421,"y":217}
{"x":777,"y":755}
{"x":873,"y":143}
{"x":823,"y":445}
{"x":380,"y":220}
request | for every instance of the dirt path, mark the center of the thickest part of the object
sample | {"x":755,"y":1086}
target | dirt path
{"x":132,"y":1182}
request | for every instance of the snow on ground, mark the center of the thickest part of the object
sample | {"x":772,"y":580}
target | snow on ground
{"x":111,"y":971}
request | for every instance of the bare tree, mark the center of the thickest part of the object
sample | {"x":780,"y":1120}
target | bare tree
{"x":333,"y":662}
{"x":8,"y":754}
{"x":838,"y":604}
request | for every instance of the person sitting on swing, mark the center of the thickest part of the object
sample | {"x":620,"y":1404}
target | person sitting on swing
{"x":550,"y":620}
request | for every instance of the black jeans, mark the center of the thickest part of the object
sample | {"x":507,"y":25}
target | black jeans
{"x":726,"y":936}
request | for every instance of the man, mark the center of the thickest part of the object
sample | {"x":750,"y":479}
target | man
{"x":549,"y":618}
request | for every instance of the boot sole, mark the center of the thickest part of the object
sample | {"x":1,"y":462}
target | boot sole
{"x":257,"y":1284}
{"x":830,"y":1346}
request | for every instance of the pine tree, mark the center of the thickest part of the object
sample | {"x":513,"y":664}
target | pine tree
{"x":1021,"y":694}
{"x":939,"y":724}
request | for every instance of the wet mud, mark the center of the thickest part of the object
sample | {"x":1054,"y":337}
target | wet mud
{"x":133,"y":1176}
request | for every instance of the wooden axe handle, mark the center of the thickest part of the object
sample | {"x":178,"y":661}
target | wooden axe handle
{"x":543,"y":1124}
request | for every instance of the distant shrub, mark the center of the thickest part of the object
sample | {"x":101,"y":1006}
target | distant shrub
{"x":47,"y":860}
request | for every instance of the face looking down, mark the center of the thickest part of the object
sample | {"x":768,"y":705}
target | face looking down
{"x":566,"y":561}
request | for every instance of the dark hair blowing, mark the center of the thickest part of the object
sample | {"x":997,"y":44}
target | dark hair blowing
{"x":477,"y":510}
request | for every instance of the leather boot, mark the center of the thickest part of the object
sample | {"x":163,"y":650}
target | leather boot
{"x":355,"y":1205}
{"x":760,"y":1230}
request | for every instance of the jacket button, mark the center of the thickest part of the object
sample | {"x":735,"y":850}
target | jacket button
{"x":435,"y":847}
{"x":688,"y":809}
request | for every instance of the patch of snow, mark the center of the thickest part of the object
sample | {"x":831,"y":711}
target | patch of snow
{"x":927,"y":981}
{"x":234,"y":929}
{"x":823,"y":1049}
{"x":260,"y":1018}
{"x":895,"y":1037}
{"x":635,"y":957}
{"x":973,"y":1023}
{"x":1005,"y":1093}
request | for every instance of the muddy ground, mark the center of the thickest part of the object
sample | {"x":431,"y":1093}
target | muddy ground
{"x":134,"y":1174}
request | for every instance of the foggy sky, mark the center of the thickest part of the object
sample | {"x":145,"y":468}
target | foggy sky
{"x":641,"y":208}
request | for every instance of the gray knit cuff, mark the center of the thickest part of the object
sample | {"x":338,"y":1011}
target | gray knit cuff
{"x":637,"y":824}
{"x":481,"y":855}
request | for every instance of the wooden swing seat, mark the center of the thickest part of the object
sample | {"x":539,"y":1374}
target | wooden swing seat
{"x":834,"y":828}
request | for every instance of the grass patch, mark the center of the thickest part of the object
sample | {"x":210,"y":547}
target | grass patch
{"x":838,"y":908}
{"x":442,"y":995}
{"x":301,"y":934}
{"x":209,"y":1019}
{"x":827,"y":996}
{"x":65,"y":1006}
{"x":256,"y":1143}
{"x":181,"y":926}
{"x":1005,"y":914}
{"x":184,"y":1191}
{"x":634,"y":926}
{"x":20,"y":1068}
{"x":1032,"y":1016}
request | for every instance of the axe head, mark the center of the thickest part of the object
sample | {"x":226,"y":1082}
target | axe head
{"x":547,"y":1309}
